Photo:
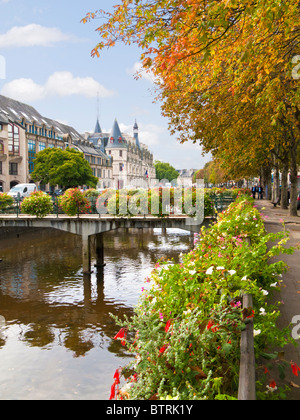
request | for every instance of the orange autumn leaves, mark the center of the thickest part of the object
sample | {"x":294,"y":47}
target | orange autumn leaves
{"x":223,"y":70}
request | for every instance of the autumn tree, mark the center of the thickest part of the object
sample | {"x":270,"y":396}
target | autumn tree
{"x":216,"y":64}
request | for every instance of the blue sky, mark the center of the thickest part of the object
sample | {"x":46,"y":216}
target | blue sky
{"x":45,"y":61}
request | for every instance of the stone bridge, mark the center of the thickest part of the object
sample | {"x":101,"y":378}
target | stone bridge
{"x":92,"y":227}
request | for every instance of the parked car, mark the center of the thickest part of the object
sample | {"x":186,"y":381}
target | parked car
{"x":22,"y":190}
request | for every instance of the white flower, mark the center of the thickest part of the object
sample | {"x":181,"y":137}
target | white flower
{"x":274,"y":284}
{"x":264,"y":292}
{"x":256,"y":332}
{"x":262,"y":311}
{"x":192,"y":272}
{"x":270,"y":389}
{"x":231,"y":272}
{"x":210,"y":270}
{"x":220,"y":268}
{"x":244,"y":278}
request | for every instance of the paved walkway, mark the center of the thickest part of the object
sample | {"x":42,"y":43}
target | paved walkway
{"x":290,"y":292}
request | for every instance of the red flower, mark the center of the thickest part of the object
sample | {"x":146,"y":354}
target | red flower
{"x":210,"y":326}
{"x":252,"y":315}
{"x":167,"y":327}
{"x":163,"y":348}
{"x":295,"y":368}
{"x":117,"y":377}
{"x":272,"y":384}
{"x":113,"y":391}
{"x":121,"y":334}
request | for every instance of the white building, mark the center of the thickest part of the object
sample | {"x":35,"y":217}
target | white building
{"x":132,"y":162}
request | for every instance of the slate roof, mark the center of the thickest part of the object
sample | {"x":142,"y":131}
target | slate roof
{"x":98,"y":128}
{"x":136,"y":135}
{"x":116,"y":140}
{"x":12,"y":111}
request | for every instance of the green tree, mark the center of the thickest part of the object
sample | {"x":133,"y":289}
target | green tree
{"x":66,"y":168}
{"x":165,"y":171}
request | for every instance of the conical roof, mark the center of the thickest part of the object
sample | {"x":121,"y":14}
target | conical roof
{"x":116,"y":139}
{"x":98,"y":128}
{"x":136,"y":135}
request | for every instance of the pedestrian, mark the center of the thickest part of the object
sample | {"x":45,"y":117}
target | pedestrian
{"x":253,"y":191}
{"x":260,"y":192}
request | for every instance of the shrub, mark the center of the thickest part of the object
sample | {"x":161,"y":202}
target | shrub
{"x":186,"y":329}
{"x":37,"y":204}
{"x":74,"y":202}
{"x":5,"y":201}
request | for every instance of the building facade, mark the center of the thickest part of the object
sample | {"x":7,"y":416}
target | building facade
{"x":24,"y":132}
{"x":132,"y":162}
{"x":185,"y":178}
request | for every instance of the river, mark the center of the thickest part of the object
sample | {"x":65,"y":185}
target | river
{"x":56,"y":334}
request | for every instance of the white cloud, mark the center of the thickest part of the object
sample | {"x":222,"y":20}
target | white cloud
{"x":33,"y":35}
{"x":58,"y":84}
{"x":137,"y":69}
{"x":149,"y":134}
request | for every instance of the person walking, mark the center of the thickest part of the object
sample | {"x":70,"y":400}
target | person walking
{"x":253,"y":191}
{"x":260,"y":192}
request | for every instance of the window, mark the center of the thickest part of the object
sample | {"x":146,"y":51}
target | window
{"x":13,"y":169}
{"x":120,"y":153}
{"x":13,"y":139}
{"x":0,"y":168}
{"x":1,"y":147}
{"x":42,"y":145}
{"x":31,"y":155}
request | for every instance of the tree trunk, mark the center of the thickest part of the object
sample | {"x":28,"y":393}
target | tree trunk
{"x":275,"y":191}
{"x":284,"y":184}
{"x":294,"y":178}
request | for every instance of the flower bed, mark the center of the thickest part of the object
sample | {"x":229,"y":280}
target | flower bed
{"x":186,"y":329}
{"x":37,"y":204}
{"x":74,"y":202}
{"x":5,"y":201}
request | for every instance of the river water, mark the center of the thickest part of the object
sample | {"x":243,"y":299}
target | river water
{"x":56,"y":334}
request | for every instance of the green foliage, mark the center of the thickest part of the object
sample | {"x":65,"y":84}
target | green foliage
{"x":158,"y":202}
{"x":74,"y":202}
{"x":165,"y":171}
{"x":37,"y":204}
{"x":5,"y":201}
{"x":186,"y":329}
{"x":67,"y":168}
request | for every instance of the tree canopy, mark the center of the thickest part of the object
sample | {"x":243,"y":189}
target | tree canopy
{"x":226,"y":74}
{"x":165,"y":171}
{"x":66,"y":168}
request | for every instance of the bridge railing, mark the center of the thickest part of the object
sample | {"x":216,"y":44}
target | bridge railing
{"x":218,"y":204}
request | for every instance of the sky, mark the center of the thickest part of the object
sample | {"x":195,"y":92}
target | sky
{"x":45,"y":61}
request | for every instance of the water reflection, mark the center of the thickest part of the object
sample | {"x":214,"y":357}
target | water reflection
{"x":51,"y":315}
